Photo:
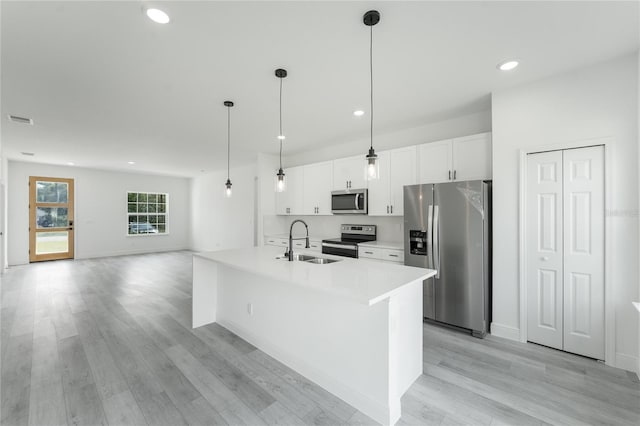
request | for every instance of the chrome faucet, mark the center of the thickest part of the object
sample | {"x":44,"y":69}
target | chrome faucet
{"x":290,"y":252}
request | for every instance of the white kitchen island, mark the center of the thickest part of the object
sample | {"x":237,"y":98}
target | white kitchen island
{"x":354,"y":326}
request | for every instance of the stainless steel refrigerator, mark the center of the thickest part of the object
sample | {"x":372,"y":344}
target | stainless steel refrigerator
{"x":447,"y":227}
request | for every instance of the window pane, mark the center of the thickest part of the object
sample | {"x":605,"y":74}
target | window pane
{"x":153,"y":219}
{"x":162,"y":208}
{"x":132,"y":208}
{"x":52,"y":242}
{"x":161,"y":218}
{"x":133,"y":219}
{"x":162,"y":198}
{"x":51,"y":217}
{"x":142,"y":208}
{"x":152,"y":198}
{"x":142,"y":198}
{"x":51,"y":192}
{"x":151,"y":208}
{"x":132,"y":197}
{"x":162,"y":229}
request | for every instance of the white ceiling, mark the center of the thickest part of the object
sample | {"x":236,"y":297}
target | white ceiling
{"x":105,"y":85}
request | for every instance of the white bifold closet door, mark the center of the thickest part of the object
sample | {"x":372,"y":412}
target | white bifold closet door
{"x":565,"y":250}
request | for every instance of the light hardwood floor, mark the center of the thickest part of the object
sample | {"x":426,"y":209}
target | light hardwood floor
{"x":109,"y":341}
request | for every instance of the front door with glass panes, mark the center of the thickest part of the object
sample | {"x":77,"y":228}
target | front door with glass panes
{"x":50,"y":218}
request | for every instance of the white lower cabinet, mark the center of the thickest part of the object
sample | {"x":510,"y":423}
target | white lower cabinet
{"x":315,"y":245}
{"x":276,"y":241}
{"x":385,"y":254}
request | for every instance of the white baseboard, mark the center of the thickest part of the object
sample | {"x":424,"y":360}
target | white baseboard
{"x":627,"y":362}
{"x":505,"y":331}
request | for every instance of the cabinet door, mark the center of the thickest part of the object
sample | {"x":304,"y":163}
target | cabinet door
{"x":379,"y":204}
{"x":435,"y":163}
{"x":290,"y":201}
{"x":472,"y":157}
{"x":402,"y":171}
{"x":317,"y":188}
{"x":348,"y":173}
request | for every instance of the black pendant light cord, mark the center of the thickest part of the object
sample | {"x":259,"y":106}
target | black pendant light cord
{"x":228,"y":139}
{"x":371,"y":79}
{"x":280,"y":135}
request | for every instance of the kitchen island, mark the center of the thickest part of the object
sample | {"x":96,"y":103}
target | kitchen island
{"x":353,"y":326}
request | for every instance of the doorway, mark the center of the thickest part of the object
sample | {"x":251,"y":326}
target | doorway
{"x":50,"y":218}
{"x":564,"y":234}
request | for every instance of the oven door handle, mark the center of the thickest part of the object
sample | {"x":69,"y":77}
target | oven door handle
{"x":340,"y":246}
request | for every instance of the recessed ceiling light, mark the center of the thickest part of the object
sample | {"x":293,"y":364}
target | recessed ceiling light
{"x":157,"y":15}
{"x":71,"y":163}
{"x":507,"y":65}
{"x":281,"y":137}
{"x":131,"y":163}
{"x":358,"y":113}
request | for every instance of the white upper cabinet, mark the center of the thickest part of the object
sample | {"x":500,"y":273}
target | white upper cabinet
{"x":317,"y":188}
{"x":472,"y":157}
{"x":348,"y":173}
{"x":435,"y":161}
{"x":397,"y":169}
{"x":290,"y":201}
{"x":458,"y":159}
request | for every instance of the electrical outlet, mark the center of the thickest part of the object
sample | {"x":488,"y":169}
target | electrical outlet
{"x":250,"y":308}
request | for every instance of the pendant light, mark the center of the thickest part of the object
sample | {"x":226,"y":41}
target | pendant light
{"x":372,"y":170}
{"x":281,"y":184}
{"x":227,"y":191}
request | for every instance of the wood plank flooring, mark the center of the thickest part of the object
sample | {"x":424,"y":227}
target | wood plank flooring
{"x":109,"y":341}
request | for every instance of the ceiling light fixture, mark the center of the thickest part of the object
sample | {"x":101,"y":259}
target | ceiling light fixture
{"x":370,"y":19}
{"x":227,"y":191}
{"x":507,"y":65}
{"x":281,"y":185}
{"x":358,"y":113}
{"x":157,"y":15}
{"x":131,"y":163}
{"x":71,"y":163}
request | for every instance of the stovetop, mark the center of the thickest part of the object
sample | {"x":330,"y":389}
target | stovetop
{"x":354,"y":234}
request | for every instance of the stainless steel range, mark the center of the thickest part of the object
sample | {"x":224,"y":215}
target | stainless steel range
{"x":347,"y":244}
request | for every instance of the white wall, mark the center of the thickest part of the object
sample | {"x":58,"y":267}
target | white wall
{"x":595,"y":102}
{"x":460,"y":126}
{"x":100,"y":211}
{"x":219,"y":223}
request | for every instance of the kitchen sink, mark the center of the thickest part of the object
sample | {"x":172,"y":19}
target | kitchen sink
{"x":309,"y":259}
{"x":321,"y":260}
{"x":298,"y":257}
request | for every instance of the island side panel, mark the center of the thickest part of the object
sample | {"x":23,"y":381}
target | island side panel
{"x":205,"y":291}
{"x":341,"y":345}
{"x":406,"y":330}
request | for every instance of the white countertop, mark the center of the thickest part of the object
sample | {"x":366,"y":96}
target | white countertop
{"x":382,"y":244}
{"x":357,"y":280}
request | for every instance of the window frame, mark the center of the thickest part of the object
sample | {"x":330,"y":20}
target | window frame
{"x":137,"y":213}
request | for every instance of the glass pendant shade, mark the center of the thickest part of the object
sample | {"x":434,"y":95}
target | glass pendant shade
{"x":281,"y":183}
{"x":372,"y":165}
{"x":227,"y":189}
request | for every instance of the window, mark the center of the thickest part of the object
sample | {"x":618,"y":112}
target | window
{"x":147,"y":213}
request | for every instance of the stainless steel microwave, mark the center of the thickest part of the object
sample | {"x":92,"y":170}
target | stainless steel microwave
{"x":349,"y":201}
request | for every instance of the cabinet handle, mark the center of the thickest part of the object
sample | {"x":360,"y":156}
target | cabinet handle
{"x":393,"y":255}
{"x":449,"y":174}
{"x":368,"y":252}
{"x":346,"y":183}
{"x":391,"y":209}
{"x":454,"y":174}
{"x":387,"y":209}
{"x":349,"y":184}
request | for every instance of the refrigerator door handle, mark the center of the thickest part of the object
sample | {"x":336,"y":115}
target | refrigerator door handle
{"x":429,"y":239}
{"x":436,"y":240}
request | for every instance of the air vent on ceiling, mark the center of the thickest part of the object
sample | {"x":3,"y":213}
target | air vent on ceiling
{"x":22,"y":120}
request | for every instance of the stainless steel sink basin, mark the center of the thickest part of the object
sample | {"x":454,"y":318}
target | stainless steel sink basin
{"x":298,"y":257}
{"x":321,"y":260}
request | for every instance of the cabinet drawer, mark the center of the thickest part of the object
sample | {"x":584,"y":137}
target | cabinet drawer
{"x":274,"y":241}
{"x":388,"y":255}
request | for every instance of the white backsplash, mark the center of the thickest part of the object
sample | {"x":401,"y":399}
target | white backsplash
{"x":390,"y":228}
